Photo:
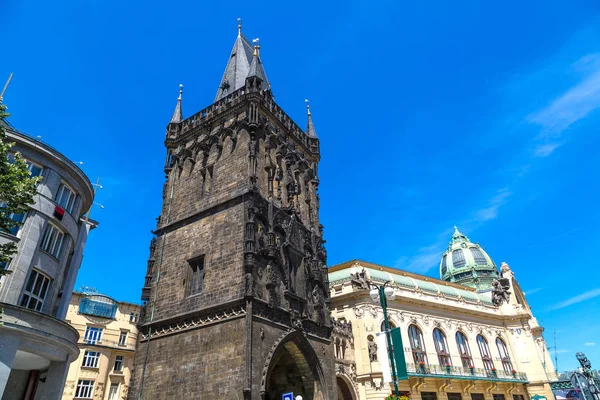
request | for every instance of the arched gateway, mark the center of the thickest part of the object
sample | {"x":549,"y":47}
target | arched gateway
{"x":293,"y":367}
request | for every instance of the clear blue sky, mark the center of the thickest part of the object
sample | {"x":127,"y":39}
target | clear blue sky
{"x":430,"y":114}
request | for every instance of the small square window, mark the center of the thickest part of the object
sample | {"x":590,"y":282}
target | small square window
{"x":93,"y":335}
{"x":85,"y":389}
{"x":91,"y":359}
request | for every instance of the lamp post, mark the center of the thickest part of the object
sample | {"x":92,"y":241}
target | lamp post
{"x":383,"y":293}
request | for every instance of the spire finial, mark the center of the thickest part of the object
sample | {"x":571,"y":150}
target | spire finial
{"x":239,"y":27}
{"x":307,"y":106}
{"x":455,"y":229}
{"x":310,"y":128}
{"x":177,"y":114}
{"x":256,"y":46}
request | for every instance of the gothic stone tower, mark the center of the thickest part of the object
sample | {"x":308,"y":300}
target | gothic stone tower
{"x":237,"y":289}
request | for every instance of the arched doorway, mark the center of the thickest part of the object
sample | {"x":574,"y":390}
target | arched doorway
{"x":343,"y":389}
{"x":294,"y":367}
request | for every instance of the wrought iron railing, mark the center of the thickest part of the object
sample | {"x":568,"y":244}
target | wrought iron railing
{"x":464,"y":373}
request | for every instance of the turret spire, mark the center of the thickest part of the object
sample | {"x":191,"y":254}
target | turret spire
{"x":256,"y":68}
{"x":177,"y":114}
{"x":310,"y":128}
{"x":239,"y":27}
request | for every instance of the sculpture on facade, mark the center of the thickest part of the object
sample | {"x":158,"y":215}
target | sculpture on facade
{"x":500,"y":291}
{"x":372,"y":349}
{"x":359,"y":280}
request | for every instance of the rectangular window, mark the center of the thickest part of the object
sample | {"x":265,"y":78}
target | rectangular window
{"x":119,"y":363}
{"x":428,"y":396}
{"x":91,"y":359}
{"x":35,"y":291}
{"x":85,"y":389}
{"x":93,"y":335}
{"x":477,"y":396}
{"x":113,"y":392}
{"x":122,"y":338}
{"x":196,"y":275}
{"x":53,"y":240}
{"x":20,"y":218}
{"x":34,"y":169}
{"x":65,"y":198}
{"x":454,"y":396}
{"x":498,"y":397}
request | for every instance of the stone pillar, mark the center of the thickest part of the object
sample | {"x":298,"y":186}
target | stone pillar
{"x":9,"y":343}
{"x":69,"y":284}
{"x":55,"y":380}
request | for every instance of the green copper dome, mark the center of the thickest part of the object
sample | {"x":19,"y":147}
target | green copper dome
{"x":467,"y":264}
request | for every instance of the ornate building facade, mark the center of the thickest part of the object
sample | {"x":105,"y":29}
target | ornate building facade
{"x":236,"y":288}
{"x":107,"y":338}
{"x":460,"y":343}
{"x":36,"y":344}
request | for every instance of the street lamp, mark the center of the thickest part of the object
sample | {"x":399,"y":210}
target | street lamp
{"x":383,"y":293}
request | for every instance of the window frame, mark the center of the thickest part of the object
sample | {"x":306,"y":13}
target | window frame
{"x":441,"y":346}
{"x":462,"y":260}
{"x":480,"y":259}
{"x":34,"y":292}
{"x":504,"y":355}
{"x":51,"y":243}
{"x":196,"y":274}
{"x":123,"y":338}
{"x":464,"y":350}
{"x":93,"y":335}
{"x":113,"y":395}
{"x":88,"y":387}
{"x":486,"y":354}
{"x":417,"y":344}
{"x":16,"y":230}
{"x":119,"y":361}
{"x":91,"y":357}
{"x":70,"y":202}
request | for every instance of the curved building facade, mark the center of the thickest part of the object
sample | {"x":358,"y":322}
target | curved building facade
{"x":38,"y":345}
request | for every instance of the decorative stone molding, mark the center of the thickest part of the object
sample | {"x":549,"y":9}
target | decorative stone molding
{"x":196,"y":322}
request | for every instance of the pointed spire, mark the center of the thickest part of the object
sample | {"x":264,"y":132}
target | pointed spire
{"x":256,"y":68}
{"x":238,"y":66}
{"x":310,"y":128}
{"x":177,"y":114}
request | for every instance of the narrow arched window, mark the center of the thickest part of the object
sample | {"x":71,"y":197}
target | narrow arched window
{"x":417,"y":344}
{"x":503,"y":351}
{"x":441,"y":346}
{"x":486,"y":355}
{"x":464,"y":350}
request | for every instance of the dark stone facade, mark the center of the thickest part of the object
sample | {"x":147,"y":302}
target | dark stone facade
{"x":240,"y":195}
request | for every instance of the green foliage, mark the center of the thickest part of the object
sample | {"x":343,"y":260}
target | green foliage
{"x":17,"y":188}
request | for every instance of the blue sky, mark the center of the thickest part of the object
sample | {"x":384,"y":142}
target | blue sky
{"x":430,"y":114}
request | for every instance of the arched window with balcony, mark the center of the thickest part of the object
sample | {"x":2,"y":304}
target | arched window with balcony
{"x":464,"y":350}
{"x":417,"y":344}
{"x":486,"y":355}
{"x":441,"y":346}
{"x":503,"y":351}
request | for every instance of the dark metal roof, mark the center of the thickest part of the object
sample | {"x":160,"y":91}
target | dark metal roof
{"x":237,"y":68}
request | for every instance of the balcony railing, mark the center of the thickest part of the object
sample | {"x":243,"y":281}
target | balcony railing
{"x":452,"y":372}
{"x":109,"y":343}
